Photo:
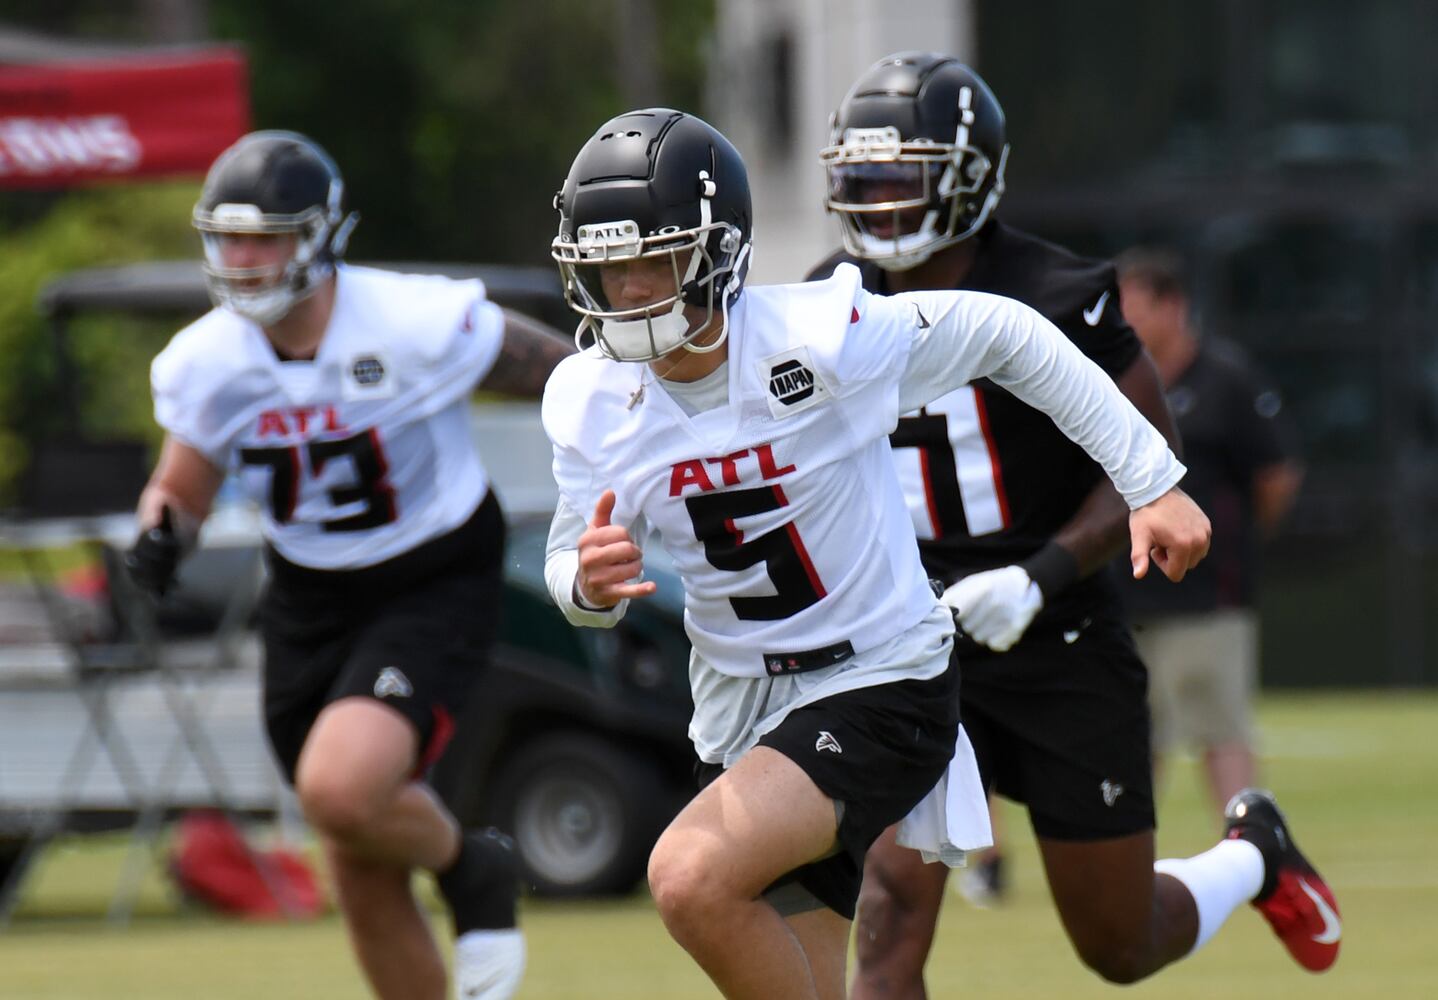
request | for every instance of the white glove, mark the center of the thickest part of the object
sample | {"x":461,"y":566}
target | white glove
{"x":995,"y":606}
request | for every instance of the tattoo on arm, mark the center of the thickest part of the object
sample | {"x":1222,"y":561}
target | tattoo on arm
{"x":529,"y":353}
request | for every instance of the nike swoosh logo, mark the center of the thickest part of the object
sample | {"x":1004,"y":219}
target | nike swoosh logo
{"x":1332,"y":928}
{"x":1093,"y":315}
{"x":923,"y":320}
{"x":1071,"y":635}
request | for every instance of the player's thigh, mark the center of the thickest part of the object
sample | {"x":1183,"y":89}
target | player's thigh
{"x":359,"y":750}
{"x":900,"y":880}
{"x":877,"y":751}
{"x":902,"y":872}
{"x":760,"y":819}
{"x":899,"y":904}
{"x":1103,"y":889}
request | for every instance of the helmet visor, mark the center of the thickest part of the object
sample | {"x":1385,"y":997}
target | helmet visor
{"x":879,"y":185}
{"x":249,"y":261}
{"x":251,"y":249}
{"x":645,"y":296}
{"x":898,"y":200}
{"x":633,"y":286}
{"x":610,"y":272}
{"x":235,"y":218}
{"x":259,"y":264}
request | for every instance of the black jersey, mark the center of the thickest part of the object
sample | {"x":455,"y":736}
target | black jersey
{"x":1232,"y":425}
{"x":989,"y":479}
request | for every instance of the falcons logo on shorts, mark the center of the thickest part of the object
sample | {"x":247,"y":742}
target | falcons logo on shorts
{"x":826,"y":741}
{"x":1111,"y":791}
{"x":392,"y":682}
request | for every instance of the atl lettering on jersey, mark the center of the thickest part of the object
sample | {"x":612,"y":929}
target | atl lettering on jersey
{"x":300,"y":420}
{"x":693,"y":473}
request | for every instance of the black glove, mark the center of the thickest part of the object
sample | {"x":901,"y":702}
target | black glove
{"x":153,"y":559}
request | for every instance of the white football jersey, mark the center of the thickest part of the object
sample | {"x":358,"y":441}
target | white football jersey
{"x":362,"y":453}
{"x":781,"y":510}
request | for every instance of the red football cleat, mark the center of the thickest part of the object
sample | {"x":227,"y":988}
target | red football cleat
{"x":1294,"y":899}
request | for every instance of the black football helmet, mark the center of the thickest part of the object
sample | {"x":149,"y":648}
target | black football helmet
{"x":654,"y":185}
{"x":915,"y":160}
{"x":272,"y":182}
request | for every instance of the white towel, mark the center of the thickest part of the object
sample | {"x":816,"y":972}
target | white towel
{"x":954,"y":817}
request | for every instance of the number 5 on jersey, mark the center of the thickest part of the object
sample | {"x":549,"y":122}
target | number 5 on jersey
{"x":796,"y":584}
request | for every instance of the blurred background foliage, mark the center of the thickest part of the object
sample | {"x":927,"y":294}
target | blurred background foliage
{"x":453,"y":131}
{"x":111,"y":356}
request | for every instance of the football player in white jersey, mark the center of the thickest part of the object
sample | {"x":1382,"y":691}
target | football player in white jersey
{"x":748,"y":430}
{"x":338,"y":397}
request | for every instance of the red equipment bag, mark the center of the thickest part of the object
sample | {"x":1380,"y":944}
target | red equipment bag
{"x":211,"y":863}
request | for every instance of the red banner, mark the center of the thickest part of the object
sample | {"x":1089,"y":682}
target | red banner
{"x":69,"y":123}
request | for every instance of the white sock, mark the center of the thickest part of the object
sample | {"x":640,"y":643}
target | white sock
{"x":1220,"y":880}
{"x":488,"y":964}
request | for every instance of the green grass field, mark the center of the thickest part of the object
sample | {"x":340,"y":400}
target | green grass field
{"x":1357,"y":774}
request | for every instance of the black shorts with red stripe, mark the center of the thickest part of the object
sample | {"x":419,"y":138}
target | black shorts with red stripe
{"x":412,"y":632}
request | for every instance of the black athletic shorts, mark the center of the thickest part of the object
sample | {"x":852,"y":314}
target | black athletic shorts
{"x":412,"y":632}
{"x":1060,"y":723}
{"x":877,"y":752}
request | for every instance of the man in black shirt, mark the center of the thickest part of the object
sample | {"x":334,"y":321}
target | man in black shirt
{"x":1200,"y":640}
{"x":1018,"y":525}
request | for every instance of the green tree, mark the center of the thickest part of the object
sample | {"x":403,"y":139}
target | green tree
{"x":455,"y":127}
{"x":110,"y":225}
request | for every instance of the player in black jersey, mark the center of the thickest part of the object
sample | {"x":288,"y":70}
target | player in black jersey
{"x":1019,"y":524}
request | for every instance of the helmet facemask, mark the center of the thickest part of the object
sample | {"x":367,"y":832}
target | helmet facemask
{"x":695,"y":268}
{"x":265,"y":294}
{"x":899,"y":201}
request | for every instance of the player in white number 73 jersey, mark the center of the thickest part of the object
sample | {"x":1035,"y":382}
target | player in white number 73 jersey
{"x":338,"y":396}
{"x":748,"y":430}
